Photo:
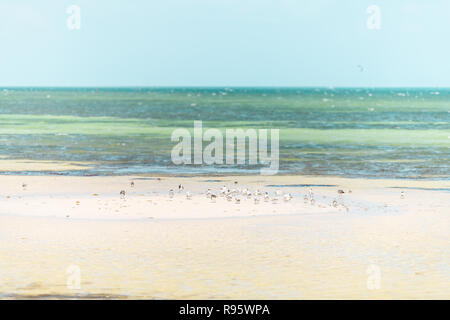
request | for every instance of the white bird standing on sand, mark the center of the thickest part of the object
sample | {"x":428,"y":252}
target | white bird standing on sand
{"x":122,"y":194}
{"x":287,"y":197}
{"x":213,"y":198}
{"x":171,"y":194}
{"x":402,"y":195}
{"x":311,"y":196}
{"x":180,"y":187}
{"x":340,"y":194}
{"x":224,"y":190}
{"x":266,"y":197}
{"x":237,"y":200}
{"x":256,"y":200}
{"x":188,"y":195}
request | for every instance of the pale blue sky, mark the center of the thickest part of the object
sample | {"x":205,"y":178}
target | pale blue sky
{"x":224,"y":43}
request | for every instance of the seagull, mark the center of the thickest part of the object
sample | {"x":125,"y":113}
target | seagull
{"x":180,"y":188}
{"x":256,"y":200}
{"x":402,"y":195}
{"x":238,"y":201}
{"x":341,"y":191}
{"x":213,"y":198}
{"x":132,"y":184}
{"x":311,"y":196}
{"x":335,"y":204}
{"x":24,"y":185}
{"x":287,"y":197}
{"x":122,"y":193}
{"x":229,"y":197}
{"x":188,"y":195}
{"x":266,"y":197}
{"x":224,"y":190}
{"x":171,"y":194}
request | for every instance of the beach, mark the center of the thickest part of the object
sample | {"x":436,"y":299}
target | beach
{"x":359,"y":207}
{"x":381,"y":239}
{"x":225,"y":150}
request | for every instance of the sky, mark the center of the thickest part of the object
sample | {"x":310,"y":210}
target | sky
{"x":225,"y":43}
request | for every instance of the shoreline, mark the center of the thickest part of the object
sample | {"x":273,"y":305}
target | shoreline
{"x":66,"y":168}
{"x":76,"y":170}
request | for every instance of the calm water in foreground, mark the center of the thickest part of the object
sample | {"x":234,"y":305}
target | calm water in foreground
{"x":375,"y":133}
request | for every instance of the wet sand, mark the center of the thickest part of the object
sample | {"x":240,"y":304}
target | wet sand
{"x":148,"y":245}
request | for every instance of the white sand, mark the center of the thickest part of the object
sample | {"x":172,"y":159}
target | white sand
{"x":150,"y":246}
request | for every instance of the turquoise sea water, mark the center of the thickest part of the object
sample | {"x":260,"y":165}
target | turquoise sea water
{"x":375,"y":133}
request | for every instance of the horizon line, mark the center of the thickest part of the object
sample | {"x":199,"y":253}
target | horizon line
{"x":213,"y":87}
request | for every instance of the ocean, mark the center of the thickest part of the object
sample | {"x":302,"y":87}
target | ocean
{"x":352,"y":132}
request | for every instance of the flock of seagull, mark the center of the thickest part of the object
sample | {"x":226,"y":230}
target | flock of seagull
{"x":236,"y":194}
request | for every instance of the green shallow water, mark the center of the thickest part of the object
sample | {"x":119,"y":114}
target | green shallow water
{"x":376,"y":133}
